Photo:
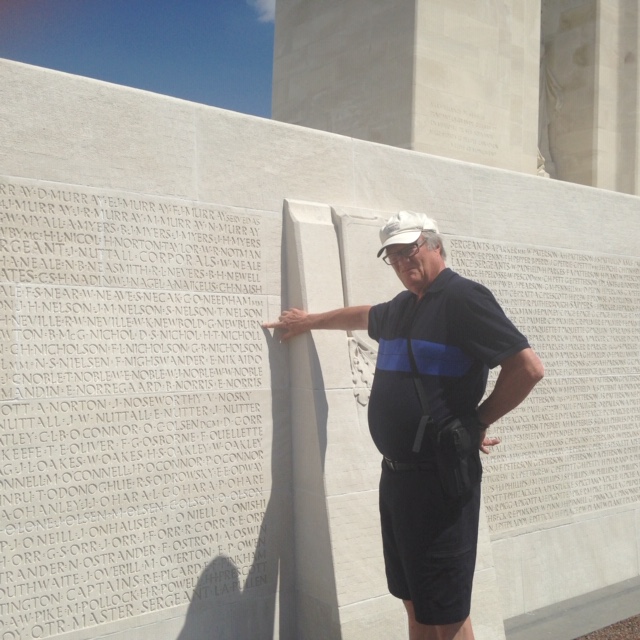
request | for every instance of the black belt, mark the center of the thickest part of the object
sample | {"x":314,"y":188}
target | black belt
{"x":392,"y":465}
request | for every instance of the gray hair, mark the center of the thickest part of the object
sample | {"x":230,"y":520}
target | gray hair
{"x":434,"y":240}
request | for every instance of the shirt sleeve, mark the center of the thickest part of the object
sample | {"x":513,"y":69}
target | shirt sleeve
{"x":376,"y":316}
{"x":482,"y":326}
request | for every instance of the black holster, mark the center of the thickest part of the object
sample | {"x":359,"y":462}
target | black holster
{"x":458,"y":456}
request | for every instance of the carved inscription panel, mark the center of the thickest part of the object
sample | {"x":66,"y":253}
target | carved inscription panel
{"x":572,"y":448}
{"x":462,"y":129}
{"x":55,"y":235}
{"x":134,"y":407}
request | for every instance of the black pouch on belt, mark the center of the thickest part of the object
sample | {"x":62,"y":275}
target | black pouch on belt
{"x":458,"y":456}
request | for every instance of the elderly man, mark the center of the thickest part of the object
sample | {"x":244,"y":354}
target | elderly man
{"x":437,"y":342}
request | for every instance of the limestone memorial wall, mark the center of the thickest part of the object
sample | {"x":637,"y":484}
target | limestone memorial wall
{"x":169,"y":469}
{"x":136,"y":406}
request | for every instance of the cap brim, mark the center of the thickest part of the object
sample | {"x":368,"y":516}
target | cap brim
{"x":407,"y":237}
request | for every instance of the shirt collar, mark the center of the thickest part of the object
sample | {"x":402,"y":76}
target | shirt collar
{"x":441,"y":281}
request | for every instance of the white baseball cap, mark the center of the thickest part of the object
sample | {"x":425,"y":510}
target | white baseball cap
{"x":405,"y":228}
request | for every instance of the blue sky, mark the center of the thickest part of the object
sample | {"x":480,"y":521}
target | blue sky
{"x":216,"y":52}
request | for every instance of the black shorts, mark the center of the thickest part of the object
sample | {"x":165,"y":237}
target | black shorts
{"x":429,"y":544}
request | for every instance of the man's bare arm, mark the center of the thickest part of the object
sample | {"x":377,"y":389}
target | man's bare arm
{"x":293,"y":322}
{"x":518,"y":375}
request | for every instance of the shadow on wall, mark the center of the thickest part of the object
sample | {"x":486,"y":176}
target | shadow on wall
{"x":208,"y":616}
{"x":228,"y":606}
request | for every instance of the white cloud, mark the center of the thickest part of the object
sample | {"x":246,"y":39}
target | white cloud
{"x":266,"y":9}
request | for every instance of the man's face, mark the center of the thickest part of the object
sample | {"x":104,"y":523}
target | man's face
{"x":416,"y":265}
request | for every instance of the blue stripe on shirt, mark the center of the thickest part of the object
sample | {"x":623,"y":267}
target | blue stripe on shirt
{"x":431,"y":358}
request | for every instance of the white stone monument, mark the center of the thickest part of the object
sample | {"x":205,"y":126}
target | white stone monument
{"x":542,"y":86}
{"x":169,"y":470}
{"x":456,"y":79}
{"x":590,"y":91}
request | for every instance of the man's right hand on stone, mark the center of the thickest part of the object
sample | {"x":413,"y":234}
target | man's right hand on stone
{"x":291,"y":323}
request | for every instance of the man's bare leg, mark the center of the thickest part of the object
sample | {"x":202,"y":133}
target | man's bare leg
{"x":458,"y":631}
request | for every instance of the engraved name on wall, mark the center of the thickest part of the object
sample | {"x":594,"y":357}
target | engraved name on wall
{"x":572,"y":448}
{"x":133,"y":396}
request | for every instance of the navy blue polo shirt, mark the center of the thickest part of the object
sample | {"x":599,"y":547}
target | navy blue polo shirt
{"x":458,"y":332}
